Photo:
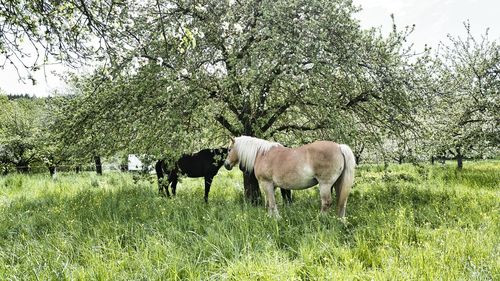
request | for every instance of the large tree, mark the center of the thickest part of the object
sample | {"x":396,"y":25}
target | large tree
{"x":271,"y":69}
{"x":19,"y":131}
{"x":466,"y":107}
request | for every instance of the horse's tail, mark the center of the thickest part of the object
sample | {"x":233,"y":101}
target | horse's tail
{"x":346,"y":180}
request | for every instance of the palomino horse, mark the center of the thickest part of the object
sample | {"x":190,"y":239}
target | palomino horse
{"x":324,"y":162}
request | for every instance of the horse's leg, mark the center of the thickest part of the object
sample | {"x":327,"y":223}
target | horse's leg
{"x":208,"y":183}
{"x":165,"y":184}
{"x":268,"y":188}
{"x":160,"y":175}
{"x":286,"y":194}
{"x":325,"y":192}
{"x":163,"y":187}
{"x":173,"y":179}
{"x":342,"y":190}
{"x":174,"y":186}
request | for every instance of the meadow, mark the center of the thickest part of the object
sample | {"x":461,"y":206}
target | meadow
{"x":407,"y":223}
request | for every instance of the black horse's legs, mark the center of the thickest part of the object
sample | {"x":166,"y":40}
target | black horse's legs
{"x":208,"y":183}
{"x":174,"y":186}
{"x":163,"y":187}
{"x":286,"y":194}
{"x":172,"y":178}
{"x":162,"y":182}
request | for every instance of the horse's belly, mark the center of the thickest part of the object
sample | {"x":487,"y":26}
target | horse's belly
{"x":306,"y":183}
{"x":296,"y":182}
{"x":296,"y":176}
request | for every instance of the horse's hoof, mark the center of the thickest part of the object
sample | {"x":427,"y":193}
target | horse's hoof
{"x":274,"y":215}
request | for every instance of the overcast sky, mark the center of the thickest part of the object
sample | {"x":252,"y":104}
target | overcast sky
{"x":433,"y":20}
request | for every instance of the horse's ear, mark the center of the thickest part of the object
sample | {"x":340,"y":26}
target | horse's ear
{"x":232,"y":140}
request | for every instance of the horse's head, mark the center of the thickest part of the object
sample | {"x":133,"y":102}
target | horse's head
{"x":232,"y":156}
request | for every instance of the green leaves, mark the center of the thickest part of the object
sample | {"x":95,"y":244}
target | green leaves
{"x":19,"y":132}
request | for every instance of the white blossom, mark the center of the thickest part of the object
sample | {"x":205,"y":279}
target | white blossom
{"x":238,"y":28}
{"x":143,"y":61}
{"x":184,"y":72}
{"x":201,"y":9}
{"x":135,"y":62}
{"x":159,"y":61}
{"x":308,"y":66}
{"x":129,"y":23}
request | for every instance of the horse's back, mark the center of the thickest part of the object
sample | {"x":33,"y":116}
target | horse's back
{"x":325,"y":156}
{"x":200,"y":164}
{"x":320,"y":151}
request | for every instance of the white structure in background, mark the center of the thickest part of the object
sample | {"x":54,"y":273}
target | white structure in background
{"x":134,"y":164}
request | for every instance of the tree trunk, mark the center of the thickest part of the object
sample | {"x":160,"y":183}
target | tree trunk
{"x":251,"y":187}
{"x":460,"y":158}
{"x":78,"y":169}
{"x":432,"y":160}
{"x":98,"y":165}
{"x":22,"y":167}
{"x":357,"y":158}
{"x":250,"y":182}
{"x":357,"y":154}
{"x":52,"y":171}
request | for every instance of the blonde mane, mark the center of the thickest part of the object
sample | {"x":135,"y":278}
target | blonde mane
{"x":248,"y":148}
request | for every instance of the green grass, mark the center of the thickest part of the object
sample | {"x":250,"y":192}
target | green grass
{"x":408,"y":223}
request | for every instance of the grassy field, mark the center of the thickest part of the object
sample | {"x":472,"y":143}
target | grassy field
{"x":410,"y":223}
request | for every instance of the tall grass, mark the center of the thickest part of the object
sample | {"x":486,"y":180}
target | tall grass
{"x":407,"y":223}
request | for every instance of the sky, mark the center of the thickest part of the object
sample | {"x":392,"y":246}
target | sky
{"x":433,"y":20}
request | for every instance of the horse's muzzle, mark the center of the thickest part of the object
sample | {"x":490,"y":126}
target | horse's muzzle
{"x":227,"y":165}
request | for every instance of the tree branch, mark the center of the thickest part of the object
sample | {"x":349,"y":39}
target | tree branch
{"x":275,"y":116}
{"x":225,"y":123}
{"x":266,"y":87}
{"x":251,"y":39}
{"x":303,"y":128}
{"x":363,"y":97}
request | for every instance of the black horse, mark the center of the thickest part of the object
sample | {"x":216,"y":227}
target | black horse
{"x":204,"y":163}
